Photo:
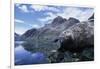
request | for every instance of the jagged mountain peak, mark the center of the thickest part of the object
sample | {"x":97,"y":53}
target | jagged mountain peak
{"x":72,"y":19}
{"x":17,"y":36}
{"x":59,"y":20}
{"x":92,"y":17}
{"x":30,"y":32}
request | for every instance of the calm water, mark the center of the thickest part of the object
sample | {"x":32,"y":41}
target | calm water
{"x":24,"y":57}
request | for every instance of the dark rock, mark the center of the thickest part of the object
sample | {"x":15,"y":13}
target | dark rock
{"x":73,"y":20}
{"x":58,"y":20}
{"x":92,"y":17}
{"x":76,"y":39}
{"x":70,"y":22}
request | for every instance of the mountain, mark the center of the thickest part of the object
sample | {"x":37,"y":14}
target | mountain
{"x":43,"y":39}
{"x":16,"y":36}
{"x":53,"y":29}
{"x":29,"y":33}
{"x":71,"y":21}
{"x":58,"y":20}
{"x":92,"y":17}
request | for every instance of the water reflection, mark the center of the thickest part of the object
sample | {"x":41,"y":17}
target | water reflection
{"x":24,"y":57}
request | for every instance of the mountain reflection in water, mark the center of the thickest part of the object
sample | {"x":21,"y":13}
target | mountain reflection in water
{"x":24,"y":57}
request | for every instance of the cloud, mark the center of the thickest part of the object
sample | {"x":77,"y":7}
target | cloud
{"x":27,"y":24}
{"x":18,"y":21}
{"x":78,"y":13}
{"x":22,"y":22}
{"x":21,"y":26}
{"x":38,"y":7}
{"x":20,"y":30}
{"x":49,"y":17}
{"x":36,"y":26}
{"x":44,"y":8}
{"x":23,"y":8}
{"x":17,"y":4}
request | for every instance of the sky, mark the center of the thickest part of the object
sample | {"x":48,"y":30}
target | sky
{"x":28,"y":16}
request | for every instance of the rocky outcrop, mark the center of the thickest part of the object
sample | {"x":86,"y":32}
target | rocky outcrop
{"x":77,"y":39}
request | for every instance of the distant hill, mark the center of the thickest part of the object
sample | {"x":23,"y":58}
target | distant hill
{"x":17,"y":37}
{"x":30,"y":33}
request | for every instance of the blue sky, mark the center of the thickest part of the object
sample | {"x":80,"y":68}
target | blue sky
{"x":27,"y":16}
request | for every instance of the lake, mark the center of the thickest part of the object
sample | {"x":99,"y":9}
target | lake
{"x":24,"y":57}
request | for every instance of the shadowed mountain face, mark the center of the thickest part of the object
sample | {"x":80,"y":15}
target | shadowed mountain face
{"x":62,"y":36}
{"x":92,"y":17}
{"x":70,"y":22}
{"x":30,"y":33}
{"x":55,"y":27}
{"x":17,"y":37}
{"x":73,"y":20}
{"x":58,"y":20}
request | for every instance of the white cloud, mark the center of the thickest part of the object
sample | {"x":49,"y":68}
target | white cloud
{"x":43,"y":8}
{"x":22,"y":22}
{"x":18,"y":21}
{"x":49,"y":18}
{"x":17,"y":4}
{"x":85,"y":15}
{"x":37,"y":26}
{"x":38,"y":7}
{"x":19,"y":26}
{"x":66,"y":12}
{"x":20,"y":30}
{"x":53,"y":9}
{"x":76,"y":13}
{"x":23,"y":8}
